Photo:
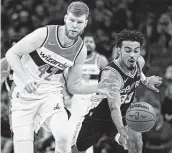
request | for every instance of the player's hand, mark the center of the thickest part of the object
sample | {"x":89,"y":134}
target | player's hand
{"x":4,"y":75}
{"x":123,"y":138}
{"x":31,"y":87}
{"x":153,"y":81}
{"x":106,"y":88}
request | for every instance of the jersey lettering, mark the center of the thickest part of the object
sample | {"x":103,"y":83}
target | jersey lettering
{"x":125,"y":99}
{"x":43,"y":69}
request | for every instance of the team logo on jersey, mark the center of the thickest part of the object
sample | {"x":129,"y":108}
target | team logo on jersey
{"x":130,"y":87}
{"x":125,"y":80}
{"x":49,"y":59}
{"x":57,"y":107}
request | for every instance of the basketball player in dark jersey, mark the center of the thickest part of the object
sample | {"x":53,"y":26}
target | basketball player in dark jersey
{"x":108,"y":114}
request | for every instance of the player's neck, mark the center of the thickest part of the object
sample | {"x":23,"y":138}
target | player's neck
{"x":64,"y":40}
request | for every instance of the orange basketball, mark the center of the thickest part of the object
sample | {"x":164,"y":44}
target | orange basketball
{"x":140,"y":116}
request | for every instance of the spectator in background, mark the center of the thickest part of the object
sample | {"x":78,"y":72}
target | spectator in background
{"x":4,"y":42}
{"x":148,"y":28}
{"x":167,"y":102}
{"x":102,"y":41}
{"x":6,"y":141}
{"x":39,"y":17}
{"x":56,"y":7}
{"x":25,"y":21}
{"x":27,"y":4}
{"x":164,"y":31}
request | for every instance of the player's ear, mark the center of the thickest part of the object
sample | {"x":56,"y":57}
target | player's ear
{"x":86,"y":22}
{"x":119,"y":50}
{"x":65,"y":18}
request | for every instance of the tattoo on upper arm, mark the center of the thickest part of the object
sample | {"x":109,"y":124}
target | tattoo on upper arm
{"x":112,"y":77}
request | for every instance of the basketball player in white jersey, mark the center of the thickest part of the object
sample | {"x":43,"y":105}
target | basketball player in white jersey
{"x":38,"y":61}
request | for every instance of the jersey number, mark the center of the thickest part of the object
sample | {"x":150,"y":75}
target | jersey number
{"x":126,"y":98}
{"x":44,"y":69}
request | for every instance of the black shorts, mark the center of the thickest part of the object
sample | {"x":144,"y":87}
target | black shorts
{"x":96,"y":123}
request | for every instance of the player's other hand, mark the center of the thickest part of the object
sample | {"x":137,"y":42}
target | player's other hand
{"x":154,"y":81}
{"x":123,"y":138}
{"x":105,"y":87}
{"x":31,"y":87}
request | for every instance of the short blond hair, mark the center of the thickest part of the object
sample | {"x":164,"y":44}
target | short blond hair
{"x":78,"y":8}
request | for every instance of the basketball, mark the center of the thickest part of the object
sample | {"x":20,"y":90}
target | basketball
{"x":140,"y":116}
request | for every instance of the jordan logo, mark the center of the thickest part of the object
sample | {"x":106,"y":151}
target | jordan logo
{"x":57,"y":106}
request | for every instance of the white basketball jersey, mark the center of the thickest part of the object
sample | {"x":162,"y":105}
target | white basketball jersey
{"x":91,"y":69}
{"x":89,"y":75}
{"x":46,"y":64}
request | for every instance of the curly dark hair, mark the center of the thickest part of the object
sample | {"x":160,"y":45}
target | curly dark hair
{"x":129,"y":35}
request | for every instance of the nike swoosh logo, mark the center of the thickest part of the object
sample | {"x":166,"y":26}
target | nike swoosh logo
{"x":125,"y":80}
{"x":49,"y":43}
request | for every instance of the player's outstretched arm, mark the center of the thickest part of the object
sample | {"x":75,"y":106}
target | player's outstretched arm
{"x":152,"y":81}
{"x":26,"y":45}
{"x":115,"y":104}
{"x":75,"y":83}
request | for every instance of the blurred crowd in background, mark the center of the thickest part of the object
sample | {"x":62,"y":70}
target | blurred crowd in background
{"x":107,"y":17}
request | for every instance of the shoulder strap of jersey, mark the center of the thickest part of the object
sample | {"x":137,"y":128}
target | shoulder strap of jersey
{"x":97,"y":56}
{"x":113,"y":67}
{"x":80,"y":49}
{"x":45,"y":37}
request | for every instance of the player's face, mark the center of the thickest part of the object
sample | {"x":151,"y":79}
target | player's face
{"x":74,"y":26}
{"x":129,"y":53}
{"x":89,"y":43}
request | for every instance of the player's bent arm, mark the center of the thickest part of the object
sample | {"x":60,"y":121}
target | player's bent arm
{"x":141,"y":63}
{"x":26,"y":45}
{"x":151,"y":81}
{"x":115,"y":102}
{"x":75,"y":83}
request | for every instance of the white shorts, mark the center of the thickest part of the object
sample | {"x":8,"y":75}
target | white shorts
{"x":81,"y":104}
{"x":27,"y":111}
